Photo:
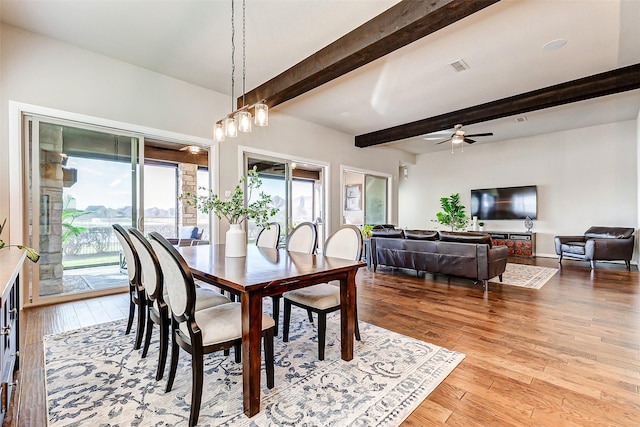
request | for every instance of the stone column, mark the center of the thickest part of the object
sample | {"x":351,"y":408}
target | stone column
{"x":187,"y":182}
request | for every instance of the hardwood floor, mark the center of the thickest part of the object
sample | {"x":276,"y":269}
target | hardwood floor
{"x":567,"y":354}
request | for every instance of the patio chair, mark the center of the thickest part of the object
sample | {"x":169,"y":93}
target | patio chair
{"x":345,"y":242}
{"x":186,"y":236}
{"x":200,"y":332}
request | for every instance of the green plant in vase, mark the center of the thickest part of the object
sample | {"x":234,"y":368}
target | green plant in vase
{"x":31,"y":254}
{"x":366,"y":230}
{"x":453,"y":213}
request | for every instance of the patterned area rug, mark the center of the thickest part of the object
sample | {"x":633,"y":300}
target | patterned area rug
{"x":95,"y":377}
{"x":526,"y":276}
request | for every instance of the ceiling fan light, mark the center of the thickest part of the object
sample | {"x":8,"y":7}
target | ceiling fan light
{"x":243,"y":118}
{"x":457,"y":139}
{"x":230,"y":127}
{"x":261,"y":114}
{"x":194,"y":149}
{"x":218,"y":132}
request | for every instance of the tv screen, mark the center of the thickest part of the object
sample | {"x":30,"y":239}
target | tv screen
{"x":505,"y":203}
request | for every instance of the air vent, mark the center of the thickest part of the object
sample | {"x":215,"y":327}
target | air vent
{"x":459,"y":65}
{"x":521,"y":119}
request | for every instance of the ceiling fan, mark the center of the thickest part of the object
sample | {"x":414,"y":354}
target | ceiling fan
{"x":460,"y":135}
{"x":193,"y":149}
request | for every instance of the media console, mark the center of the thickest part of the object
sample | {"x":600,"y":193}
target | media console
{"x":519,"y":244}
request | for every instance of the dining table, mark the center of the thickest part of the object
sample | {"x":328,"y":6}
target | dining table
{"x":265,"y":272}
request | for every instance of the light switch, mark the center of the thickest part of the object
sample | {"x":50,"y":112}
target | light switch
{"x":227,"y":193}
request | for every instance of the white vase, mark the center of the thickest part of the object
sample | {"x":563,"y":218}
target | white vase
{"x":236,"y":241}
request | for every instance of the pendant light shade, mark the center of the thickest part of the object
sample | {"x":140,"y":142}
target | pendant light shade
{"x":218,"y":132}
{"x":230,"y":127}
{"x":262,"y":114}
{"x":243,"y":118}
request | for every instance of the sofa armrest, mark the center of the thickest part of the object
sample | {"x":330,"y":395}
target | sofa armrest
{"x":609,"y":249}
{"x":560,"y":240}
{"x":491,"y":261}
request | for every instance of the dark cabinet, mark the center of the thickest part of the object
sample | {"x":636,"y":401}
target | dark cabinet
{"x":10,"y":264}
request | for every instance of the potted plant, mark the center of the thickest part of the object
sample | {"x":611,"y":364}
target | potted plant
{"x":31,"y":254}
{"x":453,"y":214}
{"x":235,"y":211}
{"x":481,"y":226}
{"x":366,"y":231}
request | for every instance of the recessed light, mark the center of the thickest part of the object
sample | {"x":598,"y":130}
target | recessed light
{"x":554,"y":45}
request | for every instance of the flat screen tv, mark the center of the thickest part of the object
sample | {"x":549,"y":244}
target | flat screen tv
{"x":505,"y":203}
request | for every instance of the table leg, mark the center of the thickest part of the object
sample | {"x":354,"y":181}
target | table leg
{"x":347,"y":313}
{"x":251,"y":340}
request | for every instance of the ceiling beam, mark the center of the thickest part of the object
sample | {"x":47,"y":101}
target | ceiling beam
{"x":607,"y":83}
{"x":396,"y":27}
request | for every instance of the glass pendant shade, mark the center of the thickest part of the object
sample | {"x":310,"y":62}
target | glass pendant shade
{"x":457,"y":139}
{"x":262,"y":115}
{"x":218,"y":132}
{"x":230,"y":127}
{"x":243,"y":118}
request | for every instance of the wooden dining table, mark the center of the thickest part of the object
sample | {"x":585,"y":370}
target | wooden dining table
{"x":267,"y":272}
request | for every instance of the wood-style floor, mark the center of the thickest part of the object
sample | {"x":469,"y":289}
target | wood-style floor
{"x":567,"y":354}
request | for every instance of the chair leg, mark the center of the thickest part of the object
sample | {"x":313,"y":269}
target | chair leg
{"x":268,"y":357}
{"x":141,"y":319}
{"x":237,"y":351}
{"x":132,"y":311}
{"x":275,"y":313}
{"x":356,"y":327}
{"x":197,"y":368}
{"x":593,"y":264}
{"x":164,"y":347}
{"x":147,"y":335}
{"x":322,"y":334}
{"x":500,"y":277}
{"x":628,"y":264}
{"x":175,"y":352}
{"x":310,"y":314}
{"x":286,"y":320}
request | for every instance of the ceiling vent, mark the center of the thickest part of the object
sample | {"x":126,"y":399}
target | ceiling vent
{"x":459,"y":65}
{"x":521,"y":119}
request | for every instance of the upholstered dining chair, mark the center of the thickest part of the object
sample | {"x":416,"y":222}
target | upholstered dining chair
{"x":303,"y":238}
{"x":137,"y":296}
{"x":269,"y":236}
{"x":157,"y":303}
{"x":200,"y":332}
{"x":345,"y":242}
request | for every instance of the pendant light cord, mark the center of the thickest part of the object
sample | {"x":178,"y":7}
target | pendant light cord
{"x":244,"y":48}
{"x":233,"y":55}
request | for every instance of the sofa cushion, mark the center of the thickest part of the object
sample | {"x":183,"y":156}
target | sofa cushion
{"x":421,"y":234}
{"x":573,"y":248}
{"x":598,"y":232}
{"x":387,"y":232}
{"x":465,"y":237}
{"x":378,"y":226}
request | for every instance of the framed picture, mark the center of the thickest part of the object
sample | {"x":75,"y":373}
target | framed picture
{"x":353,"y":197}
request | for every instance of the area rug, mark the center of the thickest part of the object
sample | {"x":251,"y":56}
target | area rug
{"x":94,"y":377}
{"x":526,"y":276}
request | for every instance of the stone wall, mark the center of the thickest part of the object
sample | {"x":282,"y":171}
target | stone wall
{"x":187,"y":183}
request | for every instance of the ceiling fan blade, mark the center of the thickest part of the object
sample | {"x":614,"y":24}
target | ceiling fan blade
{"x":482,"y":134}
{"x":469,"y":141}
{"x":443,"y":141}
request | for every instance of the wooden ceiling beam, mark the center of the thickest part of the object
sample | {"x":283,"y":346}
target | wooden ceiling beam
{"x":607,"y":83}
{"x":398,"y":26}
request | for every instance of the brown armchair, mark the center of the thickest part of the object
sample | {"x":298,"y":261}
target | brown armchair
{"x":598,"y":244}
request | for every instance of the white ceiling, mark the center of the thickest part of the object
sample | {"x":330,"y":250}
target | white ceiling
{"x":502,"y":44}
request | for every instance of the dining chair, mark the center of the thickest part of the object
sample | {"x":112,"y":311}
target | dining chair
{"x":346,"y":243}
{"x":157,"y":303}
{"x":200,"y":332}
{"x":137,"y":296}
{"x":269,"y":236}
{"x":303,"y":238}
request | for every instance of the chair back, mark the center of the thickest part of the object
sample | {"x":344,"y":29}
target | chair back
{"x":303,"y":238}
{"x":130,"y":254}
{"x":177,"y":278}
{"x":151,"y":274}
{"x":269,"y":236}
{"x":345,"y":242}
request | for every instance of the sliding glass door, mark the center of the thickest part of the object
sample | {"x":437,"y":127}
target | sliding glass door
{"x":296,"y":189}
{"x":82,"y":179}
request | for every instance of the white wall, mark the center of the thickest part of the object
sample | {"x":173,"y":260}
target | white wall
{"x":44,"y":72}
{"x":584,"y":176}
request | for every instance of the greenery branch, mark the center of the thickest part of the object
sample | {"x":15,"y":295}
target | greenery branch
{"x":233,"y":208}
{"x":31,"y":254}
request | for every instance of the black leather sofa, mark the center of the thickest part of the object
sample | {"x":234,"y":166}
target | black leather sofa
{"x":461,"y":254}
{"x":598,"y":244}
